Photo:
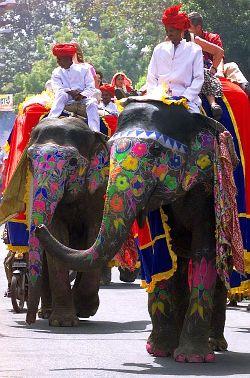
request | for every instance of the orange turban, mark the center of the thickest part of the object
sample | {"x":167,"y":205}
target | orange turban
{"x":108,"y":88}
{"x":173,"y":18}
{"x":64,"y":49}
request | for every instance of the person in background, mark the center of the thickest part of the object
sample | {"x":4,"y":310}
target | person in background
{"x":107,"y":106}
{"x":212,"y":88}
{"x":123,"y":86}
{"x":71,"y":83}
{"x":98,"y":79}
{"x":230,"y":70}
{"x":176,"y":63}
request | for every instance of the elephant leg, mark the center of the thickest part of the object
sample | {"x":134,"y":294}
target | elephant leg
{"x":127,"y":275}
{"x":106,"y":275}
{"x":85,"y":293}
{"x":167,"y":306}
{"x":164,"y":336}
{"x":63,"y":311}
{"x":217,"y":340}
{"x":46,"y":300}
{"x":193,"y":344}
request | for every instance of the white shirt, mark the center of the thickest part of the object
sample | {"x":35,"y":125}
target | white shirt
{"x":111,"y":108}
{"x":77,"y":77}
{"x":181,"y":68}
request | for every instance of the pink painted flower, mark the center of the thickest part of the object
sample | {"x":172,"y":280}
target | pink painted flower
{"x":39,"y":206}
{"x":34,"y":256}
{"x":54,"y":187}
{"x":139,"y":149}
{"x":204,"y":273}
{"x":34,"y":242}
{"x":60,"y":165}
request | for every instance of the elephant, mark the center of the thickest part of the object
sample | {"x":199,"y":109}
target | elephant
{"x":69,"y":165}
{"x":163,"y":156}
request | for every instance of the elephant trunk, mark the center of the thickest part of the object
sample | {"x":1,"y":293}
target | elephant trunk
{"x":126,"y":195}
{"x":51,"y":171}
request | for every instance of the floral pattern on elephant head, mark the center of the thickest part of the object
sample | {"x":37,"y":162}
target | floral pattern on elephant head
{"x":98,"y":171}
{"x":55,"y":168}
{"x":201,"y":160}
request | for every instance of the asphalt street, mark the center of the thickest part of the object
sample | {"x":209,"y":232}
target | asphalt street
{"x":110,"y":344}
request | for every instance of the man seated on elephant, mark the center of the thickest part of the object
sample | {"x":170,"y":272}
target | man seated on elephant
{"x":176,"y":63}
{"x":230,"y":70}
{"x":73,"y":83}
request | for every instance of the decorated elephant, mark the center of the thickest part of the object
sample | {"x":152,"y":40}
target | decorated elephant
{"x":165,"y":156}
{"x":67,"y":167}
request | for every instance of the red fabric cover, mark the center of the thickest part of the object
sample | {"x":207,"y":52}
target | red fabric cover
{"x":20,"y":136}
{"x":64,"y":49}
{"x":173,"y":18}
{"x":108,"y":88}
{"x":240,"y":104}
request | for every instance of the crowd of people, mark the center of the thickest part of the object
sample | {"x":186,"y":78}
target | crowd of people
{"x":188,"y":63}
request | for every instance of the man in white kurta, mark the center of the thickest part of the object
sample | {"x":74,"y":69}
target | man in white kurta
{"x":176,"y":63}
{"x":73,"y":82}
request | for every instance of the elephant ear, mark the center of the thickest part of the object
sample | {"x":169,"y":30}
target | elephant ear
{"x":208,"y":123}
{"x":104,"y":138}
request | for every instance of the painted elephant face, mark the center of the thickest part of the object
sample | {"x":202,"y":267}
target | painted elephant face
{"x":55,"y":169}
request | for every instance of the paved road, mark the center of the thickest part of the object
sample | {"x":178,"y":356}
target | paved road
{"x":111,"y":344}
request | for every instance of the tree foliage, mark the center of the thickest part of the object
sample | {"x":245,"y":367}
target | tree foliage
{"x":115,"y":35}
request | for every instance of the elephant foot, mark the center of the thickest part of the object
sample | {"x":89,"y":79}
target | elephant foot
{"x":194,"y":353}
{"x":30,"y":317}
{"x":128,"y":276}
{"x":44,"y":312}
{"x":87,"y":307}
{"x":159,"y":348}
{"x":62,"y":319}
{"x":105,"y":276}
{"x":218,"y":344}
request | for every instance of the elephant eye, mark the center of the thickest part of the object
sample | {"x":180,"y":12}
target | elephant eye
{"x":155,"y":150}
{"x":73,"y":162}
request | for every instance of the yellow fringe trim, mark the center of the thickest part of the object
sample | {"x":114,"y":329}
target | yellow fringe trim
{"x":247,"y":261}
{"x":6,"y":147}
{"x":45,"y":98}
{"x":106,"y":124}
{"x":119,"y":106}
{"x":244,"y":289}
{"x":27,"y":197}
{"x":163,"y":275}
{"x":168,"y":101}
{"x":17,"y":249}
{"x":114,"y":263}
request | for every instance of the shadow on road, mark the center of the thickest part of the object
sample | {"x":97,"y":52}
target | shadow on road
{"x":87,"y":327}
{"x":228,"y":363}
{"x":121,"y":285}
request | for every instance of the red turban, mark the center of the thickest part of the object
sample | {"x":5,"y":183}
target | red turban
{"x":173,"y":18}
{"x":64,"y":49}
{"x":108,"y":88}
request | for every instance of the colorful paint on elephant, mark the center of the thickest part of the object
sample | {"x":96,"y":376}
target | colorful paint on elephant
{"x":153,"y":241}
{"x":55,"y":169}
{"x":159,"y":298}
{"x":98,"y":171}
{"x":202,"y":277}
